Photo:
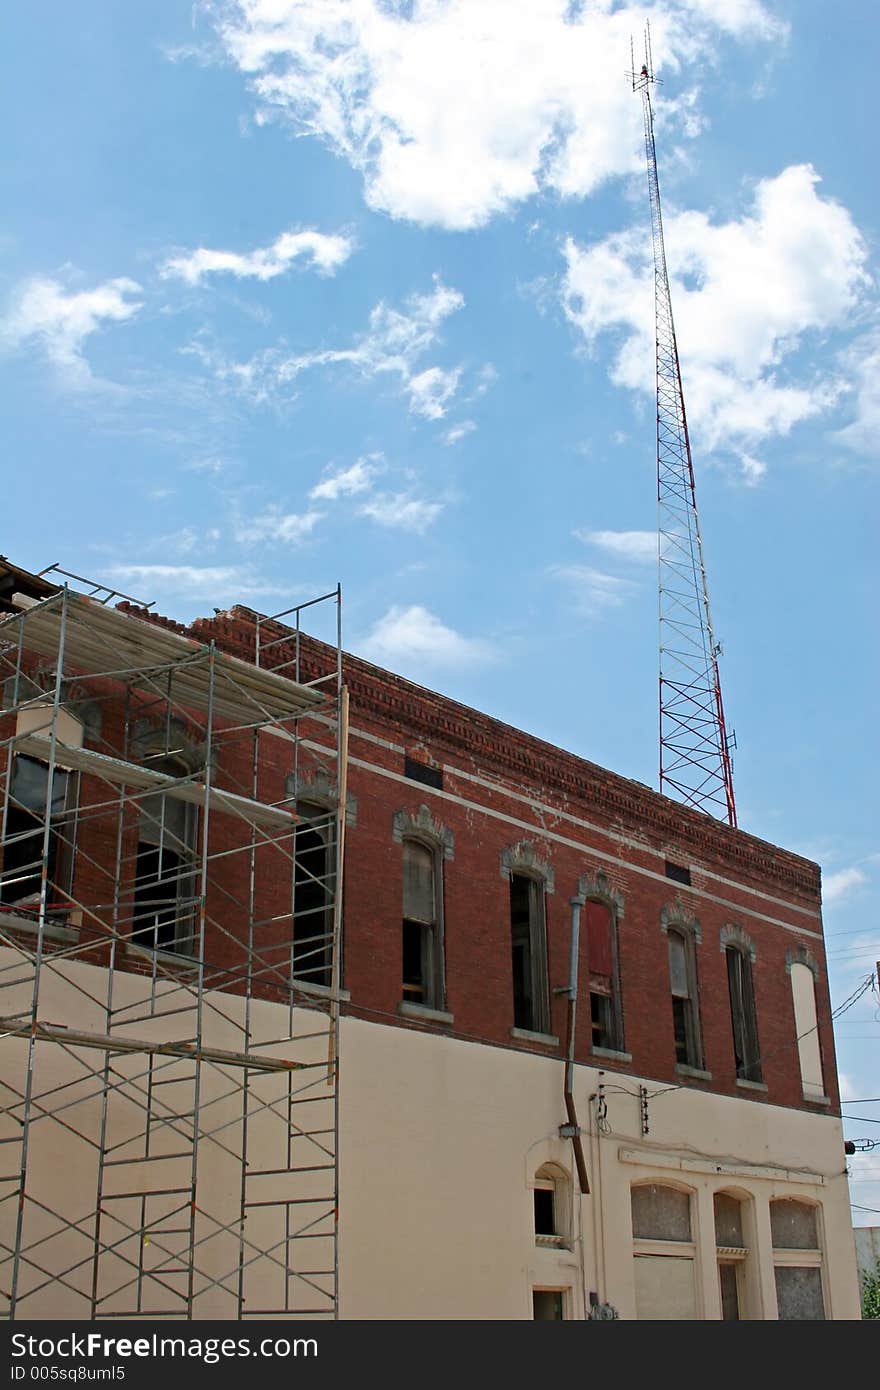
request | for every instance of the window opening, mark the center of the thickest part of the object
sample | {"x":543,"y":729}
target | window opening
{"x":531,"y":1009}
{"x":25,"y":823}
{"x":742,"y":1014}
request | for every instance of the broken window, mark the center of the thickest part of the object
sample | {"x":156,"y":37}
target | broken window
{"x":422,"y":935}
{"x":742,"y":1014}
{"x":531,"y":1004}
{"x":29,"y":801}
{"x":682,"y":980}
{"x":313,"y":894}
{"x":166,"y":873}
{"x":797,"y":1258}
{"x":605,"y":1012}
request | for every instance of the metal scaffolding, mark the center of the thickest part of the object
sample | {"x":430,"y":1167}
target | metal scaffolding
{"x":170,"y":916}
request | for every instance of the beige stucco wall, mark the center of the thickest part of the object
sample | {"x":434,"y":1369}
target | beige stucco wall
{"x":440,"y":1141}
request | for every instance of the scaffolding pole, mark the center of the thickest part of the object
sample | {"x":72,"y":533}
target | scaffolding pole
{"x":169,"y":1121}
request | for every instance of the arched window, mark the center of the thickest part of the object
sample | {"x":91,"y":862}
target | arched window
{"x":528,"y":941}
{"x":683,"y":987}
{"x":664,"y":1252}
{"x":732,"y":1255}
{"x":743,"y":1017}
{"x":797,"y":1257}
{"x":552,"y":1206}
{"x":601,"y":917}
{"x":422,"y":929}
{"x":803,"y":970}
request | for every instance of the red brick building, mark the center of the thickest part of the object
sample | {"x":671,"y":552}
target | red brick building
{"x":703,"y":1010}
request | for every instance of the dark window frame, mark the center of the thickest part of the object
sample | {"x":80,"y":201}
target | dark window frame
{"x":687,"y":1036}
{"x":311,"y":958}
{"x":429,"y":990}
{"x":607,"y":1001}
{"x":743,"y":1013}
{"x":172,"y":868}
{"x":529,"y":953}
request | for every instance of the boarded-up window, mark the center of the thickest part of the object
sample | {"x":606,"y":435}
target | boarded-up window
{"x":599,"y":938}
{"x":660,"y":1213}
{"x":728,"y":1220}
{"x":799,"y":1293}
{"x":665,"y":1288}
{"x":806,"y":1030}
{"x":793,"y":1225}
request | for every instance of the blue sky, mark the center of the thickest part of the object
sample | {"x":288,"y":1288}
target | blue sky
{"x":358,"y":290}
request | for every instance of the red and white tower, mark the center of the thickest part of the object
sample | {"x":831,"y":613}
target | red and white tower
{"x":695,"y":763}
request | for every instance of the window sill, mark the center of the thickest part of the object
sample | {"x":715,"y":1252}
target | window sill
{"x":52,"y":931}
{"x":526,"y":1035}
{"x":816,"y":1099}
{"x":612,"y":1054}
{"x":320,"y":991}
{"x":695,"y":1073}
{"x":552,"y":1243}
{"x":409,"y":1010}
{"x":751,"y":1085}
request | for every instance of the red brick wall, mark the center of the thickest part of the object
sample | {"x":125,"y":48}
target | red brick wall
{"x":538,"y":793}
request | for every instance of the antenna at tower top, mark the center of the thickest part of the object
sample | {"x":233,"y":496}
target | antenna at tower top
{"x":644,"y":76}
{"x":695,"y":762}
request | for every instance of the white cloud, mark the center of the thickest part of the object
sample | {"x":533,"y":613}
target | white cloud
{"x":459,"y":431}
{"x":593,"y":592}
{"x":638,"y":546}
{"x":291,"y":528}
{"x":454,"y":112}
{"x":402,"y":511}
{"x":413,"y":636}
{"x":347,"y":482}
{"x":60,"y":321}
{"x":192,"y":581}
{"x":393,"y":343}
{"x":862,"y":367}
{"x":745,"y":293}
{"x":207,"y":465}
{"x":840,"y":885}
{"x":430,"y":391}
{"x":325,"y":253}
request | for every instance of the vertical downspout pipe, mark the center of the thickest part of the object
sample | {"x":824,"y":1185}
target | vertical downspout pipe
{"x":573,"y":1128}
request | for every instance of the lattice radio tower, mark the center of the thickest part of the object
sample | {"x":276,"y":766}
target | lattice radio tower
{"x":695,"y":763}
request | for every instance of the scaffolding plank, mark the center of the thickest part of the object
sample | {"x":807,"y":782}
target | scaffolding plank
{"x":99,"y":639}
{"x":115,"y":1042}
{"x":150,"y":779}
